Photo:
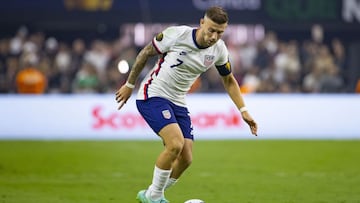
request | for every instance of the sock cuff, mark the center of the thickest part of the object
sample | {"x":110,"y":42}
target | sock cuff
{"x":162,"y":170}
{"x":173,"y":180}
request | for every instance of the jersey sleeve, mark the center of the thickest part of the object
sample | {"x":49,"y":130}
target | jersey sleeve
{"x":223,"y":64}
{"x":165,"y":39}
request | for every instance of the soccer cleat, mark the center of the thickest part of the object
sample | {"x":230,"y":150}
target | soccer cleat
{"x":141,"y":197}
{"x":163,"y":200}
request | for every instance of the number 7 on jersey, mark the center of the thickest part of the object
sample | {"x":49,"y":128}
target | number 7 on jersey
{"x":178,"y":64}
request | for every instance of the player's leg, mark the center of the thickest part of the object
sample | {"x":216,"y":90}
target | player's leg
{"x":159,"y":114}
{"x":182,"y":162}
{"x":174,"y":142}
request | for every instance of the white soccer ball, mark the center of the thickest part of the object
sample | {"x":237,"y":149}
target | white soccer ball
{"x":194,"y":201}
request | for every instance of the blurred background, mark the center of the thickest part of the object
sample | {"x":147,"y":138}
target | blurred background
{"x":298,"y":63}
{"x":276,"y":46}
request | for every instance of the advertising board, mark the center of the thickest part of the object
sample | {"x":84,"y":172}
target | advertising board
{"x":214,"y":116}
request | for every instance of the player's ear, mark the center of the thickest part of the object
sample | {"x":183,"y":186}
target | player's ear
{"x":202,"y":21}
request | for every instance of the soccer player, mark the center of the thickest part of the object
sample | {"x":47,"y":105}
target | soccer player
{"x":185,"y":53}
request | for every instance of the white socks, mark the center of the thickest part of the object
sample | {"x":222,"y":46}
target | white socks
{"x":160,"y":179}
{"x":170,"y":182}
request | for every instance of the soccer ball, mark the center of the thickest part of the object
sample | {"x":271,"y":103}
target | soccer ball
{"x":194,"y":201}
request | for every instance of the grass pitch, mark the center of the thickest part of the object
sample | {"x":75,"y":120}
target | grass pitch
{"x":241,"y":171}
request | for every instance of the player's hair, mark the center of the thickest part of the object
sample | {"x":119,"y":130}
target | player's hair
{"x":217,"y":14}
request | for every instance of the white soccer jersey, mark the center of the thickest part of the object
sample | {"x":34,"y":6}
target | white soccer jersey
{"x":181,"y":64}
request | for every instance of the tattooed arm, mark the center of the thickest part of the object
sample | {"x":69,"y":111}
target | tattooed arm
{"x":141,"y":59}
{"x":125,"y":91}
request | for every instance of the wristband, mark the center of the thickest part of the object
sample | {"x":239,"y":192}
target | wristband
{"x":242,"y":109}
{"x":129,"y":85}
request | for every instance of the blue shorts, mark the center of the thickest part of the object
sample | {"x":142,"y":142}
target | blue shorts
{"x":159,"y":112}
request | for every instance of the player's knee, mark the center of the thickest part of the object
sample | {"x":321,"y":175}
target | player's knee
{"x":175,"y":146}
{"x":187,"y":158}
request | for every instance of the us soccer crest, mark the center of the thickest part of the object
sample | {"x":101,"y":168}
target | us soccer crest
{"x":208,"y":60}
{"x":166,"y":114}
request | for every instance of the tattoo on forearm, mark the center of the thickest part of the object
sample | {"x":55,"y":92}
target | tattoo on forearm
{"x":140,"y":62}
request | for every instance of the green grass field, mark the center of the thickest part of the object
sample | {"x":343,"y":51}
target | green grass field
{"x":241,"y":171}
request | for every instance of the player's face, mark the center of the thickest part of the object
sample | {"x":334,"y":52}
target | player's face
{"x":210,"y":32}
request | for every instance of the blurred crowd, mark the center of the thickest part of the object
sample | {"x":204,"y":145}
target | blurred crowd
{"x":273,"y":65}
{"x":270,"y":65}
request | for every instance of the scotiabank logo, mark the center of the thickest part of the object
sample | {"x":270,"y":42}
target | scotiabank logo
{"x":132,"y":120}
{"x":116,"y":120}
{"x":203,"y":120}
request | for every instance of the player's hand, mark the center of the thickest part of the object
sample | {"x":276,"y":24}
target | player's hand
{"x":250,"y":121}
{"x":122,"y":95}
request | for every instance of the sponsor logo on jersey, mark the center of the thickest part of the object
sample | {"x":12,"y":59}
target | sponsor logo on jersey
{"x":159,"y":36}
{"x":166,"y":114}
{"x":208,"y":60}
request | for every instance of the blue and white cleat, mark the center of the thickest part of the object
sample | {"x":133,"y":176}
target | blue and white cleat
{"x":141,"y":197}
